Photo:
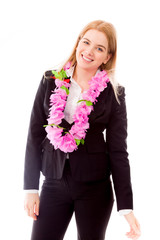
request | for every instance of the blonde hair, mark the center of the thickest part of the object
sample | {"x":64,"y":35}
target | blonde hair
{"x":110,"y":33}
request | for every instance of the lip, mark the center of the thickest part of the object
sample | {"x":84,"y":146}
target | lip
{"x":87,"y":58}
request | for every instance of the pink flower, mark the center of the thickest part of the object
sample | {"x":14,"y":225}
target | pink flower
{"x":90,"y":95}
{"x":54,"y":98}
{"x":59,"y":105}
{"x":80,"y":116}
{"x":78,"y":132}
{"x":60,"y":83}
{"x":67,"y":66}
{"x":99,"y":86}
{"x":56,"y":118}
{"x":61,"y":92}
{"x":83,"y":107}
{"x":49,"y":131}
{"x":53,"y":133}
{"x":69,"y":144}
{"x":58,"y":142}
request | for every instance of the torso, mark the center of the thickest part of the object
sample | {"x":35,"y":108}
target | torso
{"x":84,"y":86}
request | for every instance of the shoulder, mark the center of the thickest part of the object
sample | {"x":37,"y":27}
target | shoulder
{"x":47,"y":83}
{"x":118,"y":93}
{"x":48,"y":75}
{"x":121,"y":94}
{"x":48,"y":79}
{"x":117,"y":98}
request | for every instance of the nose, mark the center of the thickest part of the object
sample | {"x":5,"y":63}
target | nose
{"x":89,"y":50}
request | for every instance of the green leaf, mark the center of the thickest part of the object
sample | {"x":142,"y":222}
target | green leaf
{"x":82,"y":141}
{"x":53,"y":125}
{"x":57,"y":75}
{"x":77,"y":141}
{"x":80,"y":101}
{"x":89,"y":103}
{"x":60,"y":75}
{"x":63,"y":73}
{"x":66,"y":89}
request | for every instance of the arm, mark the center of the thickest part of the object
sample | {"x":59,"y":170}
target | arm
{"x":116,"y":135}
{"x":36,"y":134}
{"x":32,"y":167}
{"x":124,"y":212}
{"x":31,"y":191}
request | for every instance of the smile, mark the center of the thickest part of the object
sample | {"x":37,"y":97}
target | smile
{"x":87,"y":59}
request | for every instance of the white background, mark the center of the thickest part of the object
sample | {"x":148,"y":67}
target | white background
{"x":36,"y":36}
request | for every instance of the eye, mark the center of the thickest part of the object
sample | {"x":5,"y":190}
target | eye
{"x":100,"y":49}
{"x":86,"y":42}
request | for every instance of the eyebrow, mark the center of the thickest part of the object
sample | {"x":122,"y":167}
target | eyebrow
{"x":99,"y":45}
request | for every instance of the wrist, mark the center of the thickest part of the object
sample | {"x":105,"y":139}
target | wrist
{"x":124,"y":212}
{"x":31,"y":191}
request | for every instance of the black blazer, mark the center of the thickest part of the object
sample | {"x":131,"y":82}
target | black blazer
{"x":96,"y":159}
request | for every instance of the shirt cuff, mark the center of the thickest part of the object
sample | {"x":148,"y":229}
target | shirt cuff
{"x":125,"y":212}
{"x":31,"y":191}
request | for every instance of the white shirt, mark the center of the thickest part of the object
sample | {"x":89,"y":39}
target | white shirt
{"x":75,"y":94}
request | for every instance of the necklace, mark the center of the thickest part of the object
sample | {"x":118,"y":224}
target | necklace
{"x":69,"y":141}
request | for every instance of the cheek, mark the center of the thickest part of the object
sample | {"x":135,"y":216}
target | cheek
{"x":99,"y":58}
{"x":77,"y":51}
{"x":102,"y":58}
{"x":81,"y":47}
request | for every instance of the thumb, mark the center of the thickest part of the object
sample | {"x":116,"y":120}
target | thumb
{"x":37,"y":208}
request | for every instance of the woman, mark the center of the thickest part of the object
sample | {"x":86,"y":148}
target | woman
{"x":72,"y":109}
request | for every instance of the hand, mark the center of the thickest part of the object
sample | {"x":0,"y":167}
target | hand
{"x":31,"y":205}
{"x":134,"y":226}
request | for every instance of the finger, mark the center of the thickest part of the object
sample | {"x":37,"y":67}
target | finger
{"x":36,"y":210}
{"x":132,"y":234}
{"x":137,"y":224}
{"x":27,"y":209}
{"x":139,"y":228}
{"x":28,"y":212}
{"x":134,"y":237}
{"x":136,"y":229}
{"x":32,"y":214}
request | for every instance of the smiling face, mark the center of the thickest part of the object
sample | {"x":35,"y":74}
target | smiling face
{"x":92,"y":50}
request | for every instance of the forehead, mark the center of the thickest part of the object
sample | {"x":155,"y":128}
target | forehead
{"x":96,"y":37}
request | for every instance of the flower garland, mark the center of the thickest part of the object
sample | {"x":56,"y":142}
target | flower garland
{"x":69,"y":141}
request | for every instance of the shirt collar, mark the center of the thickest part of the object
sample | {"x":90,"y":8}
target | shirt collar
{"x":70,"y":74}
{"x":70,"y":71}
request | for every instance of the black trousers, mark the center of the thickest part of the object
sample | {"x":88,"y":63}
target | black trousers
{"x":92,"y":203}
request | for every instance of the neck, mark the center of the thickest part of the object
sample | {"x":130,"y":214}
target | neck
{"x":83,"y":75}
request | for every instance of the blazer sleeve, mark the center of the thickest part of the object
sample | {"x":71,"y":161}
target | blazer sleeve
{"x":116,"y":136}
{"x":36,"y":135}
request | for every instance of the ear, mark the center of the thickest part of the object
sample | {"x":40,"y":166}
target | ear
{"x":108,"y":57}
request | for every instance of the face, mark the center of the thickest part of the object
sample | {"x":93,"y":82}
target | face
{"x":92,"y":50}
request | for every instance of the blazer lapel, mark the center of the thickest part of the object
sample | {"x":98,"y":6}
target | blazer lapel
{"x":66,"y":124}
{"x":98,"y":108}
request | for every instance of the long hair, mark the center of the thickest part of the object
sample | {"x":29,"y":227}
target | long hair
{"x":110,"y":33}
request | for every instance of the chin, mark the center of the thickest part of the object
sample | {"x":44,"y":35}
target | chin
{"x":86,"y":66}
